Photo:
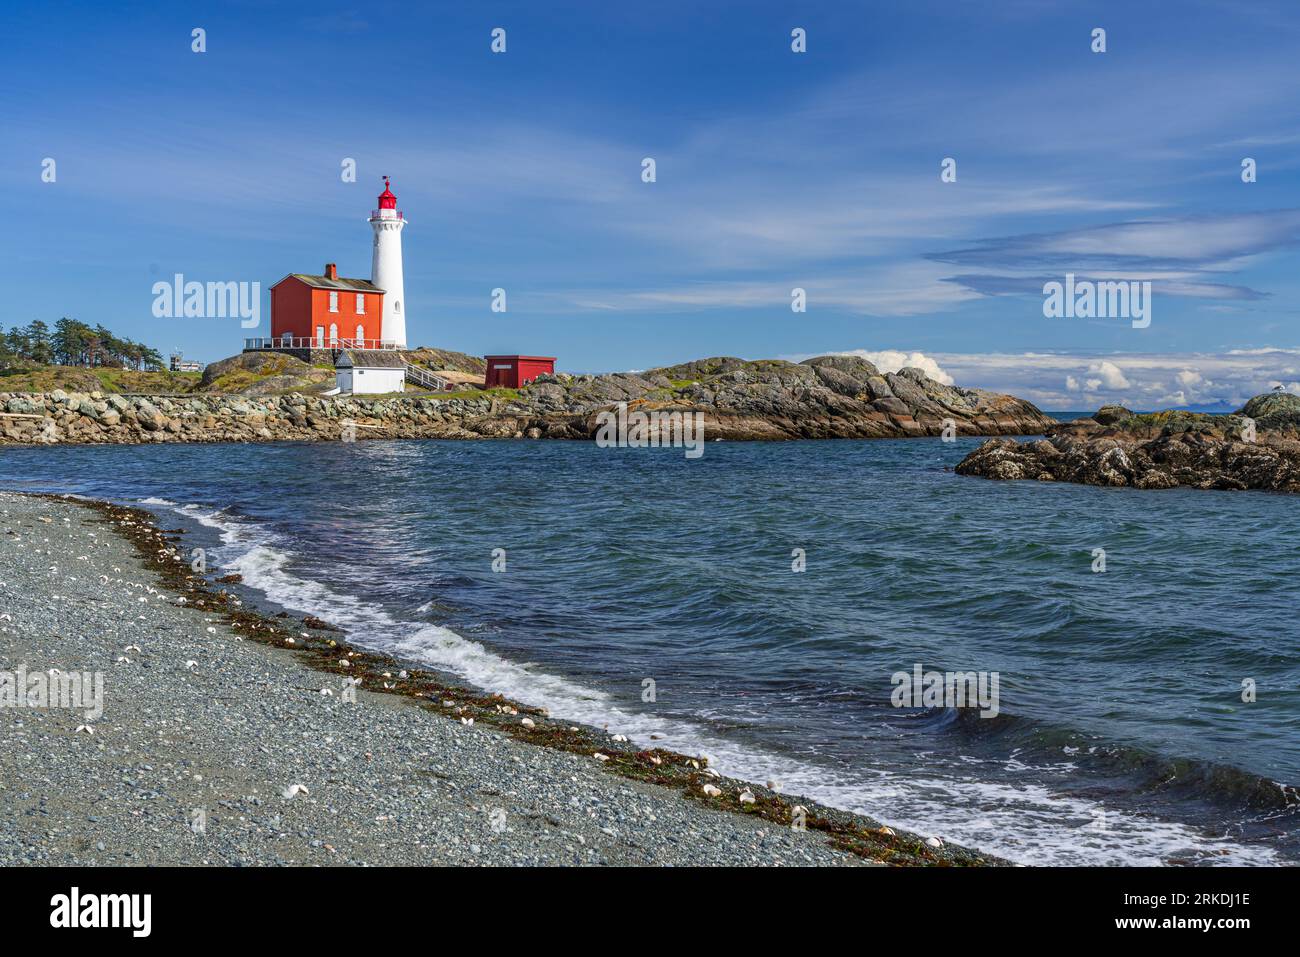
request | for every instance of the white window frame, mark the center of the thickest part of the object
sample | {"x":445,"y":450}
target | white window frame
{"x":361,"y":304}
{"x":334,"y":335}
{"x":361,"y":335}
{"x":334,"y":301}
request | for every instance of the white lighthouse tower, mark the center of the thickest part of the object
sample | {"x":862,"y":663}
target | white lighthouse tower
{"x":386,"y":266}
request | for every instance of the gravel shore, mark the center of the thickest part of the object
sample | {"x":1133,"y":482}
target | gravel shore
{"x":202,"y":725}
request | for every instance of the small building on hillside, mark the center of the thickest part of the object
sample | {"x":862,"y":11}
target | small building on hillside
{"x":514,"y":372}
{"x":179,"y":364}
{"x":369,"y":372}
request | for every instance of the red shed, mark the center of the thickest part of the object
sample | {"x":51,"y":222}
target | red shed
{"x":514,"y":372}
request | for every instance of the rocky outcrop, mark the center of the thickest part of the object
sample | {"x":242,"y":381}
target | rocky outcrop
{"x":265,"y":373}
{"x":828,"y":397}
{"x":1257,"y":447}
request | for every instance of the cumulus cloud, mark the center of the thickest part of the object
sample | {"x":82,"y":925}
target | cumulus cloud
{"x":1110,"y":375}
{"x":892,"y":360}
{"x":1139,"y":381}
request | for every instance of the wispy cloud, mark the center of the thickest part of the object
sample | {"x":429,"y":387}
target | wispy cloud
{"x":909,"y":289}
{"x":1186,"y":243}
{"x":1181,"y":256}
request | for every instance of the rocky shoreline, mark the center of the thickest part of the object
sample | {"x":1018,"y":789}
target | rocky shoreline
{"x":215,"y":712}
{"x":1256,"y":448}
{"x":827,"y":397}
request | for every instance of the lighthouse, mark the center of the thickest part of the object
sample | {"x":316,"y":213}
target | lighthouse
{"x":386,"y":266}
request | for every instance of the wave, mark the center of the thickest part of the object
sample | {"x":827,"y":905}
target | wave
{"x":1023,"y":822}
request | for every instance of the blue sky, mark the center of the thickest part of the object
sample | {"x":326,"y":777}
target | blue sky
{"x":775,"y":170}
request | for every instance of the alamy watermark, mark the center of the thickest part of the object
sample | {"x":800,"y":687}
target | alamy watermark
{"x":950,"y":689}
{"x":75,"y":909}
{"x":1107,"y":299}
{"x":621,"y":429}
{"x":213,"y":300}
{"x":53,"y":689}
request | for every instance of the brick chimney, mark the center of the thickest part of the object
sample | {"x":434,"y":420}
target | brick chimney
{"x":331,"y":271}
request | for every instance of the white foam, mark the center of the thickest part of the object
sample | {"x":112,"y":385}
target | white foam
{"x":1027,"y":824}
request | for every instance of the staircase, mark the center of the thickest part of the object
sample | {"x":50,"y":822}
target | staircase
{"x":425,"y":379}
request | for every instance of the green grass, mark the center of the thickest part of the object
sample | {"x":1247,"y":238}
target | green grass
{"x":79,"y":379}
{"x":123,"y":380}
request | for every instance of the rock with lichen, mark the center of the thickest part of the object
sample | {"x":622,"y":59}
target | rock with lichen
{"x":1257,"y":447}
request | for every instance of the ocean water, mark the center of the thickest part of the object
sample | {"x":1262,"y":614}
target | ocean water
{"x":1122,"y":736}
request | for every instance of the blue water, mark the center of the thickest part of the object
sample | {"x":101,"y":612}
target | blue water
{"x":1122,"y":737}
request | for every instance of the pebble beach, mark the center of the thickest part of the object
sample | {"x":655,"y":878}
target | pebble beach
{"x":216,"y":750}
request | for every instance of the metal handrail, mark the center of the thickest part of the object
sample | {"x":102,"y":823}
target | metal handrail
{"x":424,"y":377}
{"x":311,"y":342}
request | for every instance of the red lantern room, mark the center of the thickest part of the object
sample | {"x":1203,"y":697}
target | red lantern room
{"x":386,"y":199}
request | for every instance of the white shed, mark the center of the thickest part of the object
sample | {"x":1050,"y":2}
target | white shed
{"x":369,"y":371}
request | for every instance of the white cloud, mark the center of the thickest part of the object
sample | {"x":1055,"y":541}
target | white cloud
{"x":908,"y":289}
{"x":1139,"y":380}
{"x":1111,"y":376}
{"x":892,"y":360}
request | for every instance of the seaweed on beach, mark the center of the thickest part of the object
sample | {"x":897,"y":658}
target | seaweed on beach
{"x":318,"y":644}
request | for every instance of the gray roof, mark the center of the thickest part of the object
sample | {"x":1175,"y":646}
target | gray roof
{"x":370,"y":359}
{"x":324,"y":282}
